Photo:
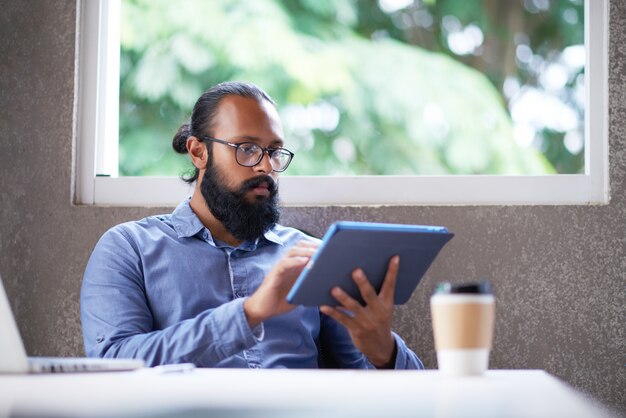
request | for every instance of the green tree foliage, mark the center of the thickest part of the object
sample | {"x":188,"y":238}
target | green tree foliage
{"x":355,"y":94}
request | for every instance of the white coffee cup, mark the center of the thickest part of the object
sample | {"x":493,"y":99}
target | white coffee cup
{"x":463,"y":324}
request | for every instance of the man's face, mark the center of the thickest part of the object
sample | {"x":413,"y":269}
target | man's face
{"x":239,"y":120}
{"x":243,"y":199}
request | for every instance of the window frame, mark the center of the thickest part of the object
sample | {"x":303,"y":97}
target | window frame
{"x":97,"y":114}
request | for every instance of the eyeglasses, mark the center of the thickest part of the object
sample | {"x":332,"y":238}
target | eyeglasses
{"x":249,"y":154}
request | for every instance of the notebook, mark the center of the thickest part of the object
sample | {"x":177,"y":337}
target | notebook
{"x":369,"y":246}
{"x":13,"y":357}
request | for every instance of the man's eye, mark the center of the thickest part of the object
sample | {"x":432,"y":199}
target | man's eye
{"x":249,"y":148}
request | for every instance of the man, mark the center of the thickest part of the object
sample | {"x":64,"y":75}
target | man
{"x":207,"y":284}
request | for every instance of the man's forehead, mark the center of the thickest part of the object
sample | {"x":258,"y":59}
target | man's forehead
{"x":233,"y":105}
{"x":243,"y":116}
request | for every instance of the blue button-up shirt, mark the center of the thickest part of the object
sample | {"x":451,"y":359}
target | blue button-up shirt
{"x":164,"y":290}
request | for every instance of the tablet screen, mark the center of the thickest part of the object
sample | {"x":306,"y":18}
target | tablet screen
{"x":369,"y":246}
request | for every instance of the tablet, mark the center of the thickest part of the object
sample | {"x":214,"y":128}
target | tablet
{"x":369,"y":246}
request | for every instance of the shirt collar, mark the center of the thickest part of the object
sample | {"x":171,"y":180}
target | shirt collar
{"x":187,"y":224}
{"x":271,"y":235}
{"x":185,"y":221}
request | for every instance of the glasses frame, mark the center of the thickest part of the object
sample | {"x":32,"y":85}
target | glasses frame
{"x":268,"y":150}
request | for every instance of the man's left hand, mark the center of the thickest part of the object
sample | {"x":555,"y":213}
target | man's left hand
{"x":370,"y":325}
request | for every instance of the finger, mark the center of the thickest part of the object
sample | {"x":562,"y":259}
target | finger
{"x":346,"y":301}
{"x":389,"y":285}
{"x":302,"y":252}
{"x":296,"y":261}
{"x":365,"y":287}
{"x":308,"y":244}
{"x":339,"y":316}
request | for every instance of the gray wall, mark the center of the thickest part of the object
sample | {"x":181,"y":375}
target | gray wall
{"x":559,"y":271}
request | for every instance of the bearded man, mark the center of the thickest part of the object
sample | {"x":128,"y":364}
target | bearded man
{"x":207,"y":283}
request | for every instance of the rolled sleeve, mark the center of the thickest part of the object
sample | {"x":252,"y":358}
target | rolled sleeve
{"x":405,"y":357}
{"x":230,"y":322}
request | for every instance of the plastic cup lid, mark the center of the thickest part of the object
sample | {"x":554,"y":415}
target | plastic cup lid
{"x":482,"y":288}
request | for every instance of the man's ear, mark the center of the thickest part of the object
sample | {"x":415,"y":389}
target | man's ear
{"x":198,"y":152}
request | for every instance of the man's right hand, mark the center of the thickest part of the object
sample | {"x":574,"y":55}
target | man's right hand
{"x":270,"y":298}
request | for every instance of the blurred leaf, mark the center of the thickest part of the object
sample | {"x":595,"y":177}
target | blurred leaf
{"x":401,"y":108}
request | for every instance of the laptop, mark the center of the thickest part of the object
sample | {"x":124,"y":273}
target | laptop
{"x":13,"y":357}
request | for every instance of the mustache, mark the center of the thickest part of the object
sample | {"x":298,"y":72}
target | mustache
{"x":257,"y":181}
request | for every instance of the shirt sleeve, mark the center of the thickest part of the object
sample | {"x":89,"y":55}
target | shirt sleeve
{"x":406,"y":359}
{"x":339,"y":350}
{"x":117,"y":321}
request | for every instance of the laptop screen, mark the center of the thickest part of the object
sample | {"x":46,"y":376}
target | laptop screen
{"x":12,"y":353}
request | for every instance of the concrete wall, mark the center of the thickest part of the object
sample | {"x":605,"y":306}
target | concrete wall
{"x":559,"y":271}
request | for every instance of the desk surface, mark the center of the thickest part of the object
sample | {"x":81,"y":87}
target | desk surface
{"x":293,"y":393}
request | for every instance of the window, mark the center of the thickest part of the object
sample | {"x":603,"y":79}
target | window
{"x":99,"y":98}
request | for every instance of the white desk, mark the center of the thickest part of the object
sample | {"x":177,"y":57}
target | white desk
{"x":293,"y":393}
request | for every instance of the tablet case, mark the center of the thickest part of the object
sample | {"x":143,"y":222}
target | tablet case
{"x":369,"y":246}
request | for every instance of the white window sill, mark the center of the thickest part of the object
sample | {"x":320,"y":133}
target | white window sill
{"x":374,"y":190}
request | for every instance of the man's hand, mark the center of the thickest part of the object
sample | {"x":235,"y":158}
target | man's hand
{"x":269,"y":298}
{"x":370,"y":325}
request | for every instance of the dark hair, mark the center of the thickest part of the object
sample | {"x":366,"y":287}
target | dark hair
{"x":204,"y":111}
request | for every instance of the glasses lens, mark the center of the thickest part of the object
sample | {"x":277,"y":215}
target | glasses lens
{"x":248,"y":154}
{"x":280,"y":159}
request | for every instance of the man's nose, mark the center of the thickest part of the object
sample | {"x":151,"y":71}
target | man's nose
{"x":265,"y":165}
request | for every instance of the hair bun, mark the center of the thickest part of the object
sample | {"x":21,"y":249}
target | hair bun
{"x":179,"y":143}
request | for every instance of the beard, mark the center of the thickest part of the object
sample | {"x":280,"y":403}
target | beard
{"x":244,"y":219}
